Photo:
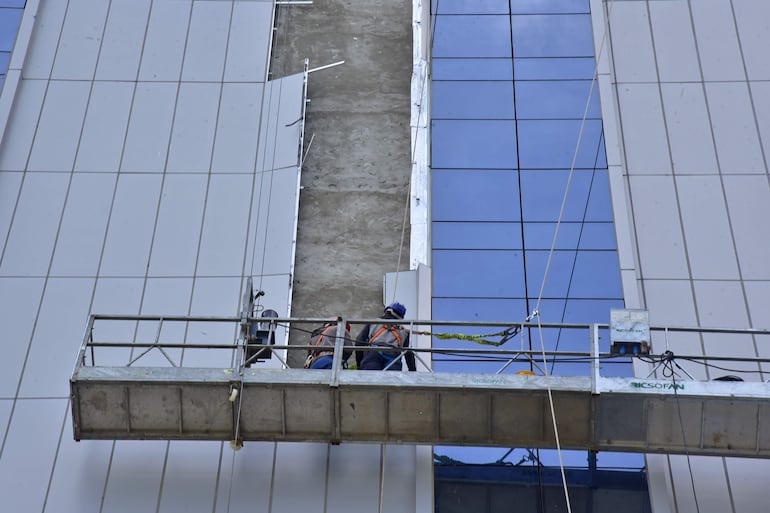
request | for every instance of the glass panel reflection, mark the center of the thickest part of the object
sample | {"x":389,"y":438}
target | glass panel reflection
{"x":9,"y":25}
{"x":472,"y":36}
{"x":472,"y":100}
{"x":499,"y":176}
{"x":473,"y":144}
{"x":464,"y":273}
{"x":475,"y":196}
{"x":556,"y":35}
{"x":472,"y":69}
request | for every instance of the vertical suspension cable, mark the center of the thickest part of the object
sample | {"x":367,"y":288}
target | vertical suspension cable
{"x":550,"y":257}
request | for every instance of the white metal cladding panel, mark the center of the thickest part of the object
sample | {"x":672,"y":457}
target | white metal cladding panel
{"x":29,"y":450}
{"x":631,"y":42}
{"x":80,"y":473}
{"x":129,"y":235}
{"x":657,"y":227}
{"x":104,"y":131}
{"x":10,"y":186}
{"x":81,"y":38}
{"x":718,"y":46}
{"x":301,"y":466}
{"x":688,"y":127}
{"x":710,"y":247}
{"x":760,"y":96}
{"x":178,"y":226}
{"x":353,"y":477}
{"x":40,"y":463}
{"x":134,"y":476}
{"x":32,"y":235}
{"x":57,"y":337}
{"x":19,"y":303}
{"x":190,"y":476}
{"x":226,"y":224}
{"x":250,"y":33}
{"x":235,"y":147}
{"x":149,"y":127}
{"x":81,"y":234}
{"x":16,"y":143}
{"x":58,"y":133}
{"x":710,"y":484}
{"x":165,"y":41}
{"x":44,"y":40}
{"x":732,"y":111}
{"x":751,"y":18}
{"x":121,"y":48}
{"x":748,"y":484}
{"x":5,"y":413}
{"x":207,"y":41}
{"x":274,"y":208}
{"x":281,"y":113}
{"x":192,"y":136}
{"x":644,"y":132}
{"x":720,"y":300}
{"x":748,"y":200}
{"x":735,"y":130}
{"x":674,"y":42}
{"x":245,"y":481}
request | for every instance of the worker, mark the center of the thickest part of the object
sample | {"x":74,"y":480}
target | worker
{"x":322,"y":355}
{"x":392,"y":338}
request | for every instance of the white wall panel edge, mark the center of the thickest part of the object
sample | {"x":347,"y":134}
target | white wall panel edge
{"x":616,"y":166}
{"x":13,"y":75}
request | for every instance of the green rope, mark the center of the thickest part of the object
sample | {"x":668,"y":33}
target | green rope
{"x":479,"y":339}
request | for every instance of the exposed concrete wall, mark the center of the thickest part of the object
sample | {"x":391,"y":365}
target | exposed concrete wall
{"x":356,"y":174}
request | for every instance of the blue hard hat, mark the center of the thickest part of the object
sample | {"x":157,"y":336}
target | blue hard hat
{"x":396,"y":309}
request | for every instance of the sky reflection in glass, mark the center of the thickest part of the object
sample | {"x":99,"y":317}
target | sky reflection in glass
{"x":509,"y":93}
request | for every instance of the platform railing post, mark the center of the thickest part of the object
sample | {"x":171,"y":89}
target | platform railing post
{"x":594,"y":358}
{"x":339,"y":342}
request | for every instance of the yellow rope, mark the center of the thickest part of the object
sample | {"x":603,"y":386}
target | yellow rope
{"x":479,"y":339}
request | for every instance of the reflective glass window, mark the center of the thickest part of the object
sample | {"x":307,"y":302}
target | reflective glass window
{"x":554,"y":68}
{"x":554,"y":35}
{"x":472,"y":100}
{"x":13,"y":3}
{"x":551,"y":144}
{"x":549,"y":6}
{"x":454,"y":235}
{"x":9,"y":25}
{"x":466,"y":273}
{"x":475,"y":195}
{"x":472,"y":36}
{"x":571,"y":235}
{"x":471,"y":69}
{"x":470,"y":6}
{"x":569,"y":274}
{"x":543,"y":193}
{"x":473,"y":144}
{"x":556,"y":99}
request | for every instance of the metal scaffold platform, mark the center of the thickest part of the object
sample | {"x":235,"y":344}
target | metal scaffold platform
{"x":248,"y":403}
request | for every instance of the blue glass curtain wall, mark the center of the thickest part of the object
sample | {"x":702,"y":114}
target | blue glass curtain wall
{"x":10,"y":17}
{"x":515,"y":123}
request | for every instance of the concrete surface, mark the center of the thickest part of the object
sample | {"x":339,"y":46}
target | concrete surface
{"x":356,"y":175}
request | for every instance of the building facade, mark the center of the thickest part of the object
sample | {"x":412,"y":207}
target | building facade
{"x":150,"y":162}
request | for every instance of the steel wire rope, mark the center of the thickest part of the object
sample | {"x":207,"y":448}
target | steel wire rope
{"x":536,"y":311}
{"x":580,"y":236}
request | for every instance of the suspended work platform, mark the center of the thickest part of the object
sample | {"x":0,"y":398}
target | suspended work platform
{"x":507,"y":409}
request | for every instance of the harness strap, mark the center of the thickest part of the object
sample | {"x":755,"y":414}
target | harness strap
{"x":381,"y":330}
{"x":320,"y":338}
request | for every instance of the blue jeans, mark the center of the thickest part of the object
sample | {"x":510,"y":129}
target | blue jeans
{"x":375,"y":360}
{"x":322,"y":362}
